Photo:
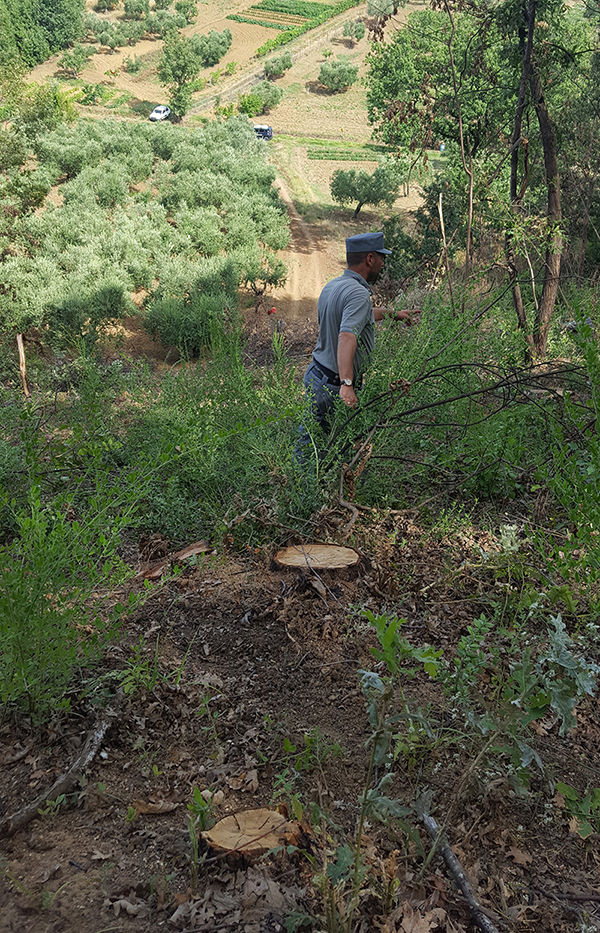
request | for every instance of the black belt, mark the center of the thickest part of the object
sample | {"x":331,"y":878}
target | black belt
{"x":331,"y":376}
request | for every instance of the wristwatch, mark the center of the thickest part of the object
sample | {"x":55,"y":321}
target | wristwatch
{"x":346,"y":382}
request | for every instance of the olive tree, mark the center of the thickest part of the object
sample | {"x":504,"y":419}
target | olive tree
{"x":338,"y":76}
{"x":381,"y":186}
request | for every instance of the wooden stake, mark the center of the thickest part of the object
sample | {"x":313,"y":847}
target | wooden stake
{"x":23,"y":365}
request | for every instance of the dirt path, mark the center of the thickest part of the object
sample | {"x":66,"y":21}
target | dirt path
{"x":297,"y":300}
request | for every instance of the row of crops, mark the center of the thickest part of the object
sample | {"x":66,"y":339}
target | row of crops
{"x":291,"y":18}
{"x":345,"y":155}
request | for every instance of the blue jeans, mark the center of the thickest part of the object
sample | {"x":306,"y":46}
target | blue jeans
{"x":321,"y":393}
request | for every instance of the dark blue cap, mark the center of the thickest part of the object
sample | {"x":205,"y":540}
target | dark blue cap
{"x":367,"y":243}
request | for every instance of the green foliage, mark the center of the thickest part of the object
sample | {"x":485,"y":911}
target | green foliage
{"x":51,"y":569}
{"x":13,"y":150}
{"x":338,"y":76}
{"x":75,"y":59}
{"x":201,"y":810}
{"x":586,"y":810}
{"x":290,"y":34}
{"x":353,"y":185}
{"x":276,"y":67}
{"x":136,"y":9}
{"x":238,"y":18}
{"x":302,"y":8}
{"x":134,"y":65}
{"x":341,"y":155}
{"x":181,"y":61}
{"x":354,"y":30}
{"x":546,"y":674}
{"x":187,"y":8}
{"x":262,"y":99}
{"x":34,"y":31}
{"x":190,"y":324}
{"x":395,"y":649}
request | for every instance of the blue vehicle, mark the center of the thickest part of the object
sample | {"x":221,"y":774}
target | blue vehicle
{"x":263,"y":131}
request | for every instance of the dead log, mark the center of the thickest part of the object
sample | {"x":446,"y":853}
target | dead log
{"x":478,"y":915}
{"x":71,"y":777}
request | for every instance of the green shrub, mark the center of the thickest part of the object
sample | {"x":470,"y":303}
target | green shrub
{"x":263,"y":98}
{"x":187,"y":8}
{"x":190,"y":324}
{"x":133,"y":65}
{"x":49,"y":571}
{"x":354,"y":30}
{"x":84,"y":313}
{"x":136,"y":9}
{"x":211,"y":48}
{"x":338,"y":76}
{"x":277,"y":67}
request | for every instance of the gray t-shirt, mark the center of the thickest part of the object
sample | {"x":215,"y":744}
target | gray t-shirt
{"x":345,"y":305}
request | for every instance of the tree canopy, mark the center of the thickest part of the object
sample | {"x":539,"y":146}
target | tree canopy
{"x":33,"y":30}
{"x":215,"y":224}
{"x":182,"y":59}
{"x":495,"y":84}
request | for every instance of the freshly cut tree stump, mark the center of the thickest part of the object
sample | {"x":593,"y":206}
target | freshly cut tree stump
{"x":317,"y":556}
{"x":251,"y":832}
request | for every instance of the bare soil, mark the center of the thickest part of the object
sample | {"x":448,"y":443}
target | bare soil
{"x":241,"y":657}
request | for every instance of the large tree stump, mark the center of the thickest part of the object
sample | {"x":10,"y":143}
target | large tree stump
{"x":317,"y":557}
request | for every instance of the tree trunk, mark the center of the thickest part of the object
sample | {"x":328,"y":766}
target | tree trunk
{"x":464,"y":146}
{"x":357,"y":211}
{"x":554,"y":238}
{"x":516,"y":196}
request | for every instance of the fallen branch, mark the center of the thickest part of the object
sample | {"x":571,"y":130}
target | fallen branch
{"x":67,"y":780}
{"x":478,"y":915}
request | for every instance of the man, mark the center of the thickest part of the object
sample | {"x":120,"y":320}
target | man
{"x":347,"y":329}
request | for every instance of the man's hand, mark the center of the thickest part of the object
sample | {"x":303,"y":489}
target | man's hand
{"x":348,"y":396}
{"x":407,"y":316}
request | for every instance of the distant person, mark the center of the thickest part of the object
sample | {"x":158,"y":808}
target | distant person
{"x":346,"y":339}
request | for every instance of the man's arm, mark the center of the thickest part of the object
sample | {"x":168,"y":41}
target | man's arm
{"x":404,"y":315}
{"x":346,"y":352}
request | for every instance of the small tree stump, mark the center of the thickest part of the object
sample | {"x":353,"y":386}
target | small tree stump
{"x":250,"y":833}
{"x":317,"y":556}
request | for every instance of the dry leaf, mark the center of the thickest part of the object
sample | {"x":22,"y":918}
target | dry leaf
{"x":319,"y":587}
{"x":99,"y":856}
{"x":574,"y":825}
{"x":252,"y":780}
{"x":200,"y":547}
{"x":139,"y":909}
{"x":413,"y":922}
{"x":154,"y":572}
{"x":520,"y":857}
{"x":160,"y":806}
